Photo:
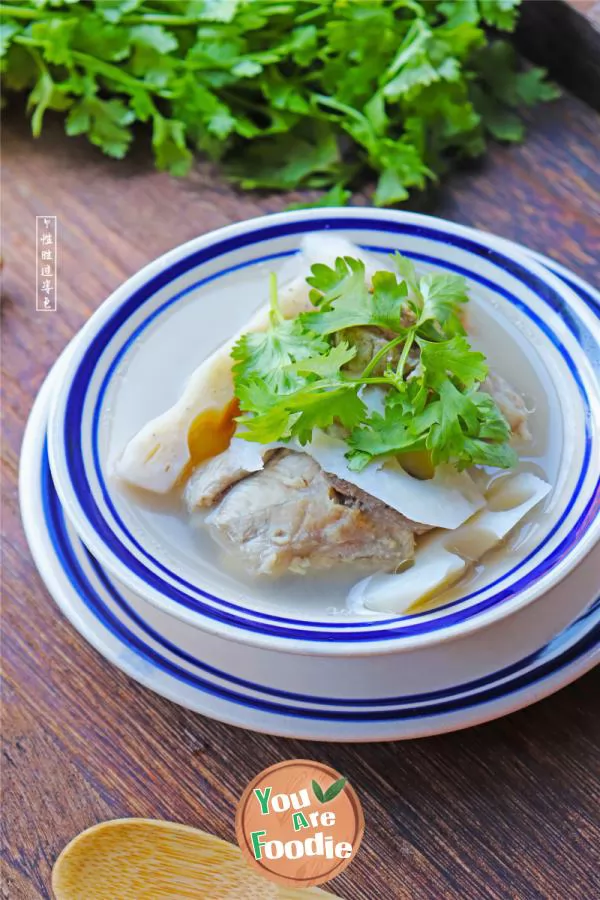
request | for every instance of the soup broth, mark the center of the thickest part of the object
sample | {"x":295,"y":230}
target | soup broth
{"x":162,"y":525}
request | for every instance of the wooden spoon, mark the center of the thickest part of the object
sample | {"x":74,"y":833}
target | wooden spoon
{"x":146,"y":859}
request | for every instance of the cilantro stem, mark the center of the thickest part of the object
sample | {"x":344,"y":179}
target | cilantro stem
{"x":159,"y":19}
{"x":98,"y":65}
{"x":332,"y":103}
{"x":382,"y":353}
{"x":383,"y":379}
{"x":114,"y":73}
{"x":347,"y":383}
{"x":405,"y":351}
{"x":17,"y":12}
{"x":274,"y":311}
{"x":310,"y":14}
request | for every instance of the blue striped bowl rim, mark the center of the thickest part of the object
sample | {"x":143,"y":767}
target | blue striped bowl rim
{"x":577,"y":641}
{"x":270,"y":624}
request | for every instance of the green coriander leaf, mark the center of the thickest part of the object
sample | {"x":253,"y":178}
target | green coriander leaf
{"x":267,"y":427}
{"x":347,"y":277}
{"x":376,"y":113}
{"x":407,"y":271}
{"x":142,"y":105}
{"x":304,"y":45}
{"x":216,"y":10}
{"x":7,"y":32}
{"x":348,"y":302}
{"x":388,"y":301}
{"x":270,"y":354}
{"x":169,"y":145}
{"x":288,"y":161}
{"x":409,"y":397}
{"x":455,"y":358}
{"x":531,"y":87}
{"x":494,"y":426}
{"x":154,"y":37}
{"x":387,"y":435}
{"x":321,"y":409}
{"x":287,"y":95}
{"x":478,"y":452}
{"x":79,"y":119}
{"x":417,"y":74}
{"x":298,"y":414}
{"x":55,"y":35}
{"x":290,"y":381}
{"x":221,"y":123}
{"x":442,"y":297}
{"x":101,"y":39}
{"x":459,"y":13}
{"x":19,"y":69}
{"x":414,"y":44}
{"x":114,"y":10}
{"x":336,"y":196}
{"x":500,"y":14}
{"x":105,"y":122}
{"x":247,"y":68}
{"x":502,"y":85}
{"x":449,"y":419}
{"x":501,"y":122}
{"x":390,"y":189}
{"x":326,"y":365}
{"x":214,"y":51}
{"x":254,"y":394}
{"x":152,"y":67}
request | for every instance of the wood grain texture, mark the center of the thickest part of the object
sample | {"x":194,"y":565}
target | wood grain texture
{"x":505,"y":810}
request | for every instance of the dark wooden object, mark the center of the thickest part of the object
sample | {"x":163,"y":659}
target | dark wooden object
{"x":565,"y":38}
{"x":506,"y":810}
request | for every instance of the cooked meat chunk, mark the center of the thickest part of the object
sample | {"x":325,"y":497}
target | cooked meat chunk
{"x":352,"y":495}
{"x":510,"y":403}
{"x":291,"y":516}
{"x":213,"y":477}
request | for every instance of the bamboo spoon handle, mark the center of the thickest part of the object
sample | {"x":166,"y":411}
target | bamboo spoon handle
{"x":147,"y":859}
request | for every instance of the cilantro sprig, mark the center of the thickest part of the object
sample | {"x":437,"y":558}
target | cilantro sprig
{"x":295,"y":377}
{"x":293,"y":94}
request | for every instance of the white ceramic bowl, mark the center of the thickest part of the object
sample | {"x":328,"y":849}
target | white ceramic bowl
{"x":129,"y":361}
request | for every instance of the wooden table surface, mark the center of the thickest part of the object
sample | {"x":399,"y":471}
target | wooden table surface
{"x":506,"y":810}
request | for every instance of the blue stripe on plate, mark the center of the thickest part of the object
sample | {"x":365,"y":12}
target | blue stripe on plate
{"x":77,"y":470}
{"x":56,"y":525}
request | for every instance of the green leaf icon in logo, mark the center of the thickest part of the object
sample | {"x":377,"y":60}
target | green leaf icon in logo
{"x":317,"y":791}
{"x":332,"y":791}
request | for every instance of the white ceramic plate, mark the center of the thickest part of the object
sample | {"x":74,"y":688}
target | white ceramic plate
{"x":132,"y":355}
{"x":461,"y":683}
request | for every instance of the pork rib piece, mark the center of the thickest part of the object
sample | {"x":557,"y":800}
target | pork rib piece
{"x":292,"y":516}
{"x":510,"y":403}
{"x":212,"y":478}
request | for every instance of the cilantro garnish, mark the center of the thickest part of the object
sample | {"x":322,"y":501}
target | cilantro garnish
{"x":294,"y":94}
{"x":295,"y":378}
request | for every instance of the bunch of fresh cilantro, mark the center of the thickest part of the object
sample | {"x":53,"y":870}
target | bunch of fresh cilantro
{"x":303,"y":93}
{"x":294,"y":378}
